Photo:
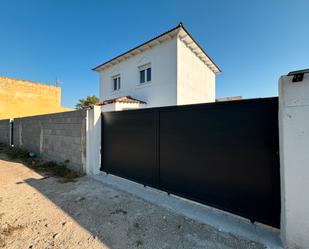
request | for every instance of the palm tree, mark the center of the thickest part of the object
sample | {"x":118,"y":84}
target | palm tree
{"x":89,"y":101}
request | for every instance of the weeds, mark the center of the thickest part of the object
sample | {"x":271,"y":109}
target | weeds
{"x":57,"y":169}
{"x":14,"y":153}
{"x":50,"y":168}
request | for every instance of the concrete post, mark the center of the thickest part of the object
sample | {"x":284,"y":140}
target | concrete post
{"x":93,"y":141}
{"x":294,"y":161}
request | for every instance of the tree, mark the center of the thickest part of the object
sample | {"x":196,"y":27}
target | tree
{"x":89,"y":101}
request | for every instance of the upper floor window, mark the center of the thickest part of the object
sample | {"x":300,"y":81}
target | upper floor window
{"x":116,"y":82}
{"x":145,"y":74}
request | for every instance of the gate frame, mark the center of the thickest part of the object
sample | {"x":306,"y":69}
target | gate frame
{"x":157,"y":112}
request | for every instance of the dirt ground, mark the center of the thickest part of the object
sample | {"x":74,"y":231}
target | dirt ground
{"x":45,"y":212}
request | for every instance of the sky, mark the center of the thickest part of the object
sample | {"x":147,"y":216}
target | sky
{"x":252,"y":41}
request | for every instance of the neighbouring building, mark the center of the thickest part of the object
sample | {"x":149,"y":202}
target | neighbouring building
{"x":19,"y":98}
{"x":170,"y":69}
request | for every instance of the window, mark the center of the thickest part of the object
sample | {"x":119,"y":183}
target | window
{"x":116,"y":82}
{"x":148,"y":74}
{"x":144,"y":74}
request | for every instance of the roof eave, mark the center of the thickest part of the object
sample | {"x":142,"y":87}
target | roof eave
{"x":212,"y":66}
{"x":97,"y":68}
{"x":212,"y":61}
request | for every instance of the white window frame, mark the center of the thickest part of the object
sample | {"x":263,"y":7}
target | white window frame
{"x":118,"y":78}
{"x":144,"y":68}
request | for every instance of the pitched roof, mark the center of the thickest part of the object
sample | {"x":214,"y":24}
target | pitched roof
{"x":184,"y":35}
{"x":124,"y":99}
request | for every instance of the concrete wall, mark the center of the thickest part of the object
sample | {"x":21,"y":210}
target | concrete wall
{"x":93,"y":130}
{"x":57,"y":137}
{"x":195,"y":81}
{"x":20,"y":98}
{"x":294,"y":161}
{"x":5,"y":131}
{"x":161,"y":91}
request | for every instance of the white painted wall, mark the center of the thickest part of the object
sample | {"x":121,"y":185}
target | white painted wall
{"x":128,"y":106}
{"x":118,"y":106}
{"x":179,"y":77}
{"x":162,"y":89}
{"x":93,"y":141}
{"x":109,"y":108}
{"x":294,"y":161}
{"x":196,"y":82}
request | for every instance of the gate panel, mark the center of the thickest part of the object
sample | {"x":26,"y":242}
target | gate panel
{"x":224,"y":155}
{"x":221,"y":154}
{"x":129,"y":145}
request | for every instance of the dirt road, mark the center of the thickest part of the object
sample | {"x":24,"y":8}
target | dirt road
{"x":38,"y":212}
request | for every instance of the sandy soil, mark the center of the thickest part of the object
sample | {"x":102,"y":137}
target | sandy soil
{"x":40,"y":212}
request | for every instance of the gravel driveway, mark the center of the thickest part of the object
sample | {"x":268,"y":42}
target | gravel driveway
{"x":40,"y":212}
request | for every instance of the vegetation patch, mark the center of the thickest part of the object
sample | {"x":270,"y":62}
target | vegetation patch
{"x":58,"y":170}
{"x":36,"y":163}
{"x":14,"y":153}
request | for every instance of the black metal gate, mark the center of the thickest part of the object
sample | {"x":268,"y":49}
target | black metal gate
{"x":222,"y":154}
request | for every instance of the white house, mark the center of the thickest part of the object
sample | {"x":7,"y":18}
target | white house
{"x":170,"y":69}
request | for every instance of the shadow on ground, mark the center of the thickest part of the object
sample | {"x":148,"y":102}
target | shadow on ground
{"x":116,"y":219}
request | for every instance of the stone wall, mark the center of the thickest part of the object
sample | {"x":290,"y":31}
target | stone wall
{"x":57,"y":137}
{"x":5,"y":131}
{"x":20,"y":98}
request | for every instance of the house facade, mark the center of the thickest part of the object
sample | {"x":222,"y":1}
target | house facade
{"x":170,"y":69}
